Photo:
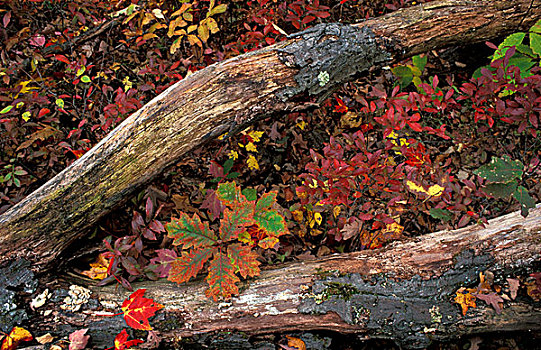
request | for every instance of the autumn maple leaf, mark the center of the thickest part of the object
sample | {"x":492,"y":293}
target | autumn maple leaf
{"x":122,"y":342}
{"x":137,"y":309}
{"x":17,"y":335}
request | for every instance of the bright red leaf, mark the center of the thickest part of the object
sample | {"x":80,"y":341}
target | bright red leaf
{"x":122,"y":342}
{"x":138,"y":309}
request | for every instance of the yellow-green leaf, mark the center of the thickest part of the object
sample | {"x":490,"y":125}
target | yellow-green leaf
{"x":6,"y":109}
{"x":85,"y":79}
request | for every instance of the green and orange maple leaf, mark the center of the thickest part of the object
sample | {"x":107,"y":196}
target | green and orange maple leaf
{"x":230,"y":251}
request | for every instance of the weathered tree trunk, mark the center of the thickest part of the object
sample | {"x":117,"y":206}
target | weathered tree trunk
{"x":230,"y":95}
{"x":404,"y":291}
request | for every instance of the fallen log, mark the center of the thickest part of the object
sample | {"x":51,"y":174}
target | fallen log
{"x":228,"y":96}
{"x":404,"y":291}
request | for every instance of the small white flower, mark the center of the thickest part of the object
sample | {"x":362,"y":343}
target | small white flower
{"x":323,"y":78}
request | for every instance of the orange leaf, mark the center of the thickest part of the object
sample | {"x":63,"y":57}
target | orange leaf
{"x":138,"y":309}
{"x":295,"y":343}
{"x":98,"y":270}
{"x":465,"y":299}
{"x":17,"y":335}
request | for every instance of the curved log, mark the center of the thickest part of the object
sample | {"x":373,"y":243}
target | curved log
{"x":228,"y":96}
{"x":404,"y":291}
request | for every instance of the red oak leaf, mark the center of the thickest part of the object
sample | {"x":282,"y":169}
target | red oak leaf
{"x":138,"y":309}
{"x":122,"y":342}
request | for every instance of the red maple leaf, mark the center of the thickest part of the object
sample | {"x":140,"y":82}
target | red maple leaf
{"x":122,"y":342}
{"x":138,"y":309}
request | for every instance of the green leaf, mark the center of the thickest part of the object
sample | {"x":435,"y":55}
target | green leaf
{"x":501,"y":170}
{"x":228,"y":165}
{"x":536,"y":28}
{"x":266,"y":201}
{"x":535,"y":43}
{"x":403,"y":74}
{"x":85,"y":79}
{"x":6,"y":109}
{"x":272,"y":223}
{"x":250,"y":193}
{"x":235,"y":221}
{"x":221,"y":278}
{"x":190,"y":232}
{"x":420,"y":62}
{"x":526,"y":202}
{"x":189,"y":264}
{"x":229,"y":193}
{"x":525,"y":50}
{"x":218,"y":9}
{"x":523,"y":63}
{"x":232,"y":175}
{"x":244,"y":260}
{"x":501,"y":190}
{"x":512,"y":40}
{"x":441,"y":214}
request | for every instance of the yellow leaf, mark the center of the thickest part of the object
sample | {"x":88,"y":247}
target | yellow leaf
{"x":414,"y":187}
{"x":256,"y":135}
{"x":26,"y":116}
{"x":318,"y":218}
{"x":252,"y":162}
{"x":250,"y":147}
{"x":149,"y":36}
{"x":336,"y":211}
{"x":127,"y":83}
{"x":313,"y":184}
{"x":435,"y":190}
{"x":174,"y":47}
{"x":158,"y":13}
{"x":17,"y":335}
{"x":182,"y":9}
{"x":203,"y":31}
{"x":233,"y":155}
{"x":394,"y":230}
{"x":178,"y":22}
{"x":212,"y":25}
{"x":194,"y":40}
{"x":301,"y":124}
{"x":19,"y":105}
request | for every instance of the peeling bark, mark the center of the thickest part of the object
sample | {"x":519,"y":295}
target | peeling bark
{"x":403,"y":291}
{"x":228,"y":96}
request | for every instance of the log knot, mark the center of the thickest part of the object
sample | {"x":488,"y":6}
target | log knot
{"x":327,"y":55}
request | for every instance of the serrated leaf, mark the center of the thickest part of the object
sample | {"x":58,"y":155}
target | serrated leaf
{"x":228,"y":193}
{"x":189,"y":264}
{"x":213,"y":204}
{"x":266,"y":201}
{"x":535,"y":43}
{"x":221,"y":278}
{"x":512,"y":40}
{"x":244,"y":260}
{"x":236,"y":220}
{"x":536,"y":28}
{"x":268,"y":242}
{"x":501,"y":170}
{"x":272,"y":223}
{"x":526,"y":201}
{"x":523,"y":63}
{"x":190,"y":232}
{"x":441,"y":214}
{"x":501,"y":190}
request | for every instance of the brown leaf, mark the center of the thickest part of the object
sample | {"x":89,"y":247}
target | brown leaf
{"x":491,"y":299}
{"x":513,"y":287}
{"x":351,"y":229}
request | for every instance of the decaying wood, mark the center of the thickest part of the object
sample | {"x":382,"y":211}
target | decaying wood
{"x":404,"y":291}
{"x":228,"y":96}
